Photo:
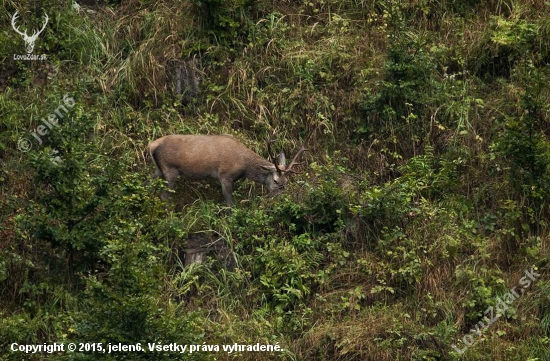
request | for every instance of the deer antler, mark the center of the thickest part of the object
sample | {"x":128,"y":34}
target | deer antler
{"x":270,"y":151}
{"x":294,"y":162}
{"x":302,"y":149}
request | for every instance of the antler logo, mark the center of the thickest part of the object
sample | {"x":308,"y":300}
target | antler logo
{"x":29,"y":40}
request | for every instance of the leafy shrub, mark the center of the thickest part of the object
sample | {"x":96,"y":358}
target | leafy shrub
{"x":524,"y":145}
{"x":225,"y":20}
{"x":502,"y":46}
{"x":120,"y":304}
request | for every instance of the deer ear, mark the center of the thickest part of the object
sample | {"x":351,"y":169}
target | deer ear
{"x":281,"y":159}
{"x":269,"y":168}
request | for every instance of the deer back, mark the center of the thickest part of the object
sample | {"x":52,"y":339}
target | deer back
{"x":201,"y":156}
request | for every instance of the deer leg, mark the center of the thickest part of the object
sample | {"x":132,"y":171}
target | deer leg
{"x":170,"y":176}
{"x":227,"y":190}
{"x":157,"y":173}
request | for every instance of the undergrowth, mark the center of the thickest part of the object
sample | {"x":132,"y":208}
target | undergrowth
{"x":423,"y":198}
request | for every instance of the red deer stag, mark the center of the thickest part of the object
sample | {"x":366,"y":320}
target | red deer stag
{"x":218,"y":156}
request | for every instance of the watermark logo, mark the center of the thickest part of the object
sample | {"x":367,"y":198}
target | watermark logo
{"x":502,"y":304}
{"x":25,"y":144}
{"x":29,"y":40}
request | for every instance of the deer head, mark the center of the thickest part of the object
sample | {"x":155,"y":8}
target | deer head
{"x":278,"y":179}
{"x":29,"y":40}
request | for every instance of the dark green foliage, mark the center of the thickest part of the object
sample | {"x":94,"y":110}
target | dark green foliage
{"x":407,"y":84}
{"x":402,"y":101}
{"x":120,"y":303}
{"x":225,"y":21}
{"x":524,"y":141}
{"x":503,"y":46}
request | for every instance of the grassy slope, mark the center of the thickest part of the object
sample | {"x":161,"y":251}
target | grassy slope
{"x":424,"y":197}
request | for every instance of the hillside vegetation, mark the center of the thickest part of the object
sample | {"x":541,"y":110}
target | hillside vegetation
{"x":422,"y":202}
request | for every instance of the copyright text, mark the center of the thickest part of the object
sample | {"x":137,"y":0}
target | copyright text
{"x":149,"y":347}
